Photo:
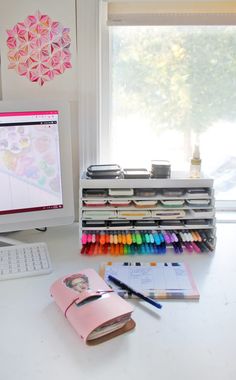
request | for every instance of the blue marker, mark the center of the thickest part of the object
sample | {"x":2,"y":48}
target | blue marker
{"x":161,"y":237}
{"x":124,"y":286}
{"x":156,"y":238}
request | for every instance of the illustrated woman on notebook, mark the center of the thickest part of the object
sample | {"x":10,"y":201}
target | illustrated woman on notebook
{"x":77,"y":282}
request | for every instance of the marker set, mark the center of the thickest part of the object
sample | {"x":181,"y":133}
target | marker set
{"x":146,"y":242}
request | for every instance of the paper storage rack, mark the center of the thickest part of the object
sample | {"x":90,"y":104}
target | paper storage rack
{"x":127,"y":216}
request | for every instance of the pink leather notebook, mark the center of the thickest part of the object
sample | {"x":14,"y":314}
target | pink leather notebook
{"x":94,"y":310}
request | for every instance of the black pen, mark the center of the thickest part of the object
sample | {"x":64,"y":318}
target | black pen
{"x":138,"y":294}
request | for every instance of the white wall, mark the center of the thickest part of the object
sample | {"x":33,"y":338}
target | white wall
{"x":62,"y":87}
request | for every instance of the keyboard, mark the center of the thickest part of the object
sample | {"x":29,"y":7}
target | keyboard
{"x":31,"y":259}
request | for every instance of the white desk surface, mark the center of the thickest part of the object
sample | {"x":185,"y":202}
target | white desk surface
{"x":185,"y":340}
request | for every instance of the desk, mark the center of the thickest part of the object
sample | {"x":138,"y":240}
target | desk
{"x":185,"y":340}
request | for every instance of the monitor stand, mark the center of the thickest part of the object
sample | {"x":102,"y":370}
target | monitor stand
{"x":5,"y":241}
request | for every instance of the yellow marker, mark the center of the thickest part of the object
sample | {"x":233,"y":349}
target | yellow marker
{"x":115,"y":239}
{"x":129,"y":238}
{"x":124,"y":240}
{"x":111,"y":239}
{"x":119,"y":238}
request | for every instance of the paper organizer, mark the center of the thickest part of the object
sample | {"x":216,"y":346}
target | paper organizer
{"x":94,"y":310}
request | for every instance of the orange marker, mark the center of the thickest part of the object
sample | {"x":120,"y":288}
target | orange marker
{"x":102,"y":239}
{"x":129,"y":238}
{"x":124,"y":241}
{"x":198,"y":236}
{"x":117,"y":249}
{"x":107,"y":238}
{"x":112,"y":249}
{"x":101,"y":249}
{"x":194,"y":236}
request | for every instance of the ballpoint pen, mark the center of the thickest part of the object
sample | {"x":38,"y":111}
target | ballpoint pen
{"x":133,"y":291}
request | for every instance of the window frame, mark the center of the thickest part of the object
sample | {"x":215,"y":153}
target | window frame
{"x":94,"y":72}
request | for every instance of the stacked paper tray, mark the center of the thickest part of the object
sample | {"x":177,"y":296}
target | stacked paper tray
{"x":134,"y":214}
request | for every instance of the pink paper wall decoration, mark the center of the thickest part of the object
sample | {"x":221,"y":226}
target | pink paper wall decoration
{"x":39,"y":48}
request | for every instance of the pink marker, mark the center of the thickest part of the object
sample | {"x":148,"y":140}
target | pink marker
{"x":84,"y":238}
{"x":196,"y":248}
{"x":188,"y":246}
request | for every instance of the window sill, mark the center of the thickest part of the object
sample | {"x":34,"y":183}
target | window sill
{"x":225,"y":216}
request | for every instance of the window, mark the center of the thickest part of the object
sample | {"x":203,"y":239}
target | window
{"x":171,"y":87}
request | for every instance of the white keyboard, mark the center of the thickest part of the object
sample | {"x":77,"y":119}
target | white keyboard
{"x":23,"y":260}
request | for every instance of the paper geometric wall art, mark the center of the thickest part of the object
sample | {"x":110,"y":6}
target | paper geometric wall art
{"x":39,"y":48}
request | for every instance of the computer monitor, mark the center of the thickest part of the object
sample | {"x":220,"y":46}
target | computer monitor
{"x":36,"y":185}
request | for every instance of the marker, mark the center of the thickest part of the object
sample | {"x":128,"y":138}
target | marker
{"x":83,"y":249}
{"x":188,"y":246}
{"x":119,"y":237}
{"x":84,"y":238}
{"x":133,"y":238}
{"x":129,"y":238}
{"x":124,"y":286}
{"x":105,"y":250}
{"x":176,"y":248}
{"x":147,"y":238}
{"x":156,"y":238}
{"x":138,"y":238}
{"x":151,"y":238}
{"x":196,"y":248}
{"x":102,"y":238}
{"x":162,"y":240}
{"x":166,"y":237}
{"x":121,"y":249}
{"x":180,"y":247}
{"x":93,"y":238}
{"x":123,"y":238}
{"x":198,"y":235}
{"x":107,"y":238}
{"x":209,"y":245}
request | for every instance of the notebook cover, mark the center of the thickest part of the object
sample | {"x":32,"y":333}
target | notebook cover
{"x":88,"y":303}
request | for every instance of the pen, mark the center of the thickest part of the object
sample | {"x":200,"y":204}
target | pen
{"x":138,"y":294}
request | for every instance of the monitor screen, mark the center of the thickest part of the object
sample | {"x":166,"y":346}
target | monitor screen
{"x":35,"y":166}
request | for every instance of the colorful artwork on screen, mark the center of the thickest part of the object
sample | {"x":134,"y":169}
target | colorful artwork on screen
{"x":30,"y":154}
{"x":39,"y":48}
